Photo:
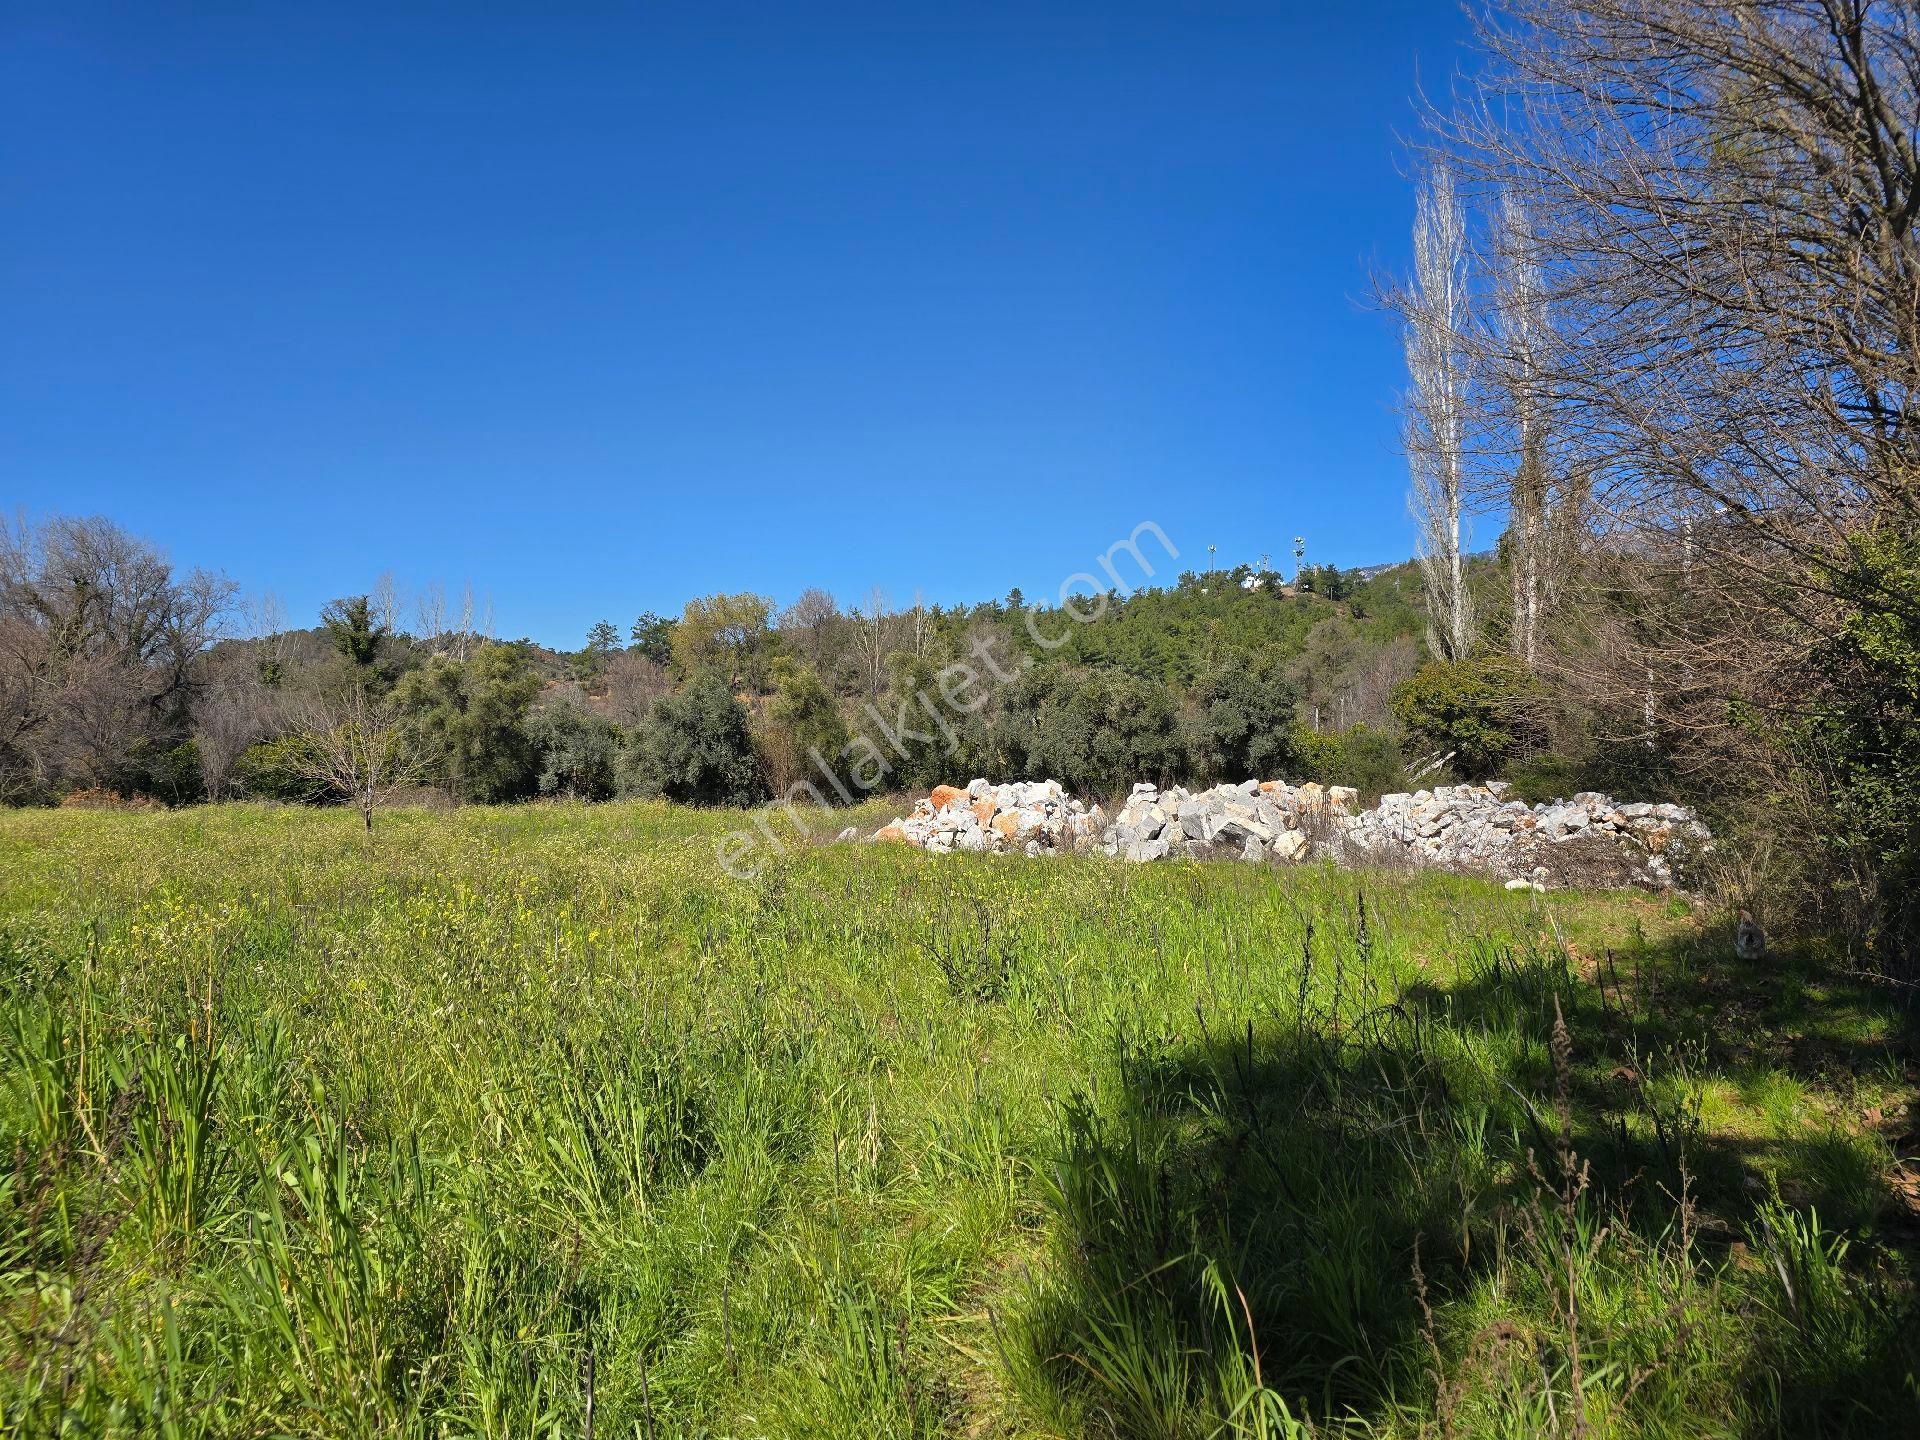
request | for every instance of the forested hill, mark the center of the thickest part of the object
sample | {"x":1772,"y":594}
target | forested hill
{"x":1218,"y":675}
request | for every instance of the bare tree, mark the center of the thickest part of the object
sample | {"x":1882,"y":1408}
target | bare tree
{"x":265,"y":622}
{"x":808,"y":627}
{"x":357,"y":746}
{"x":101,"y":646}
{"x":430,"y":613}
{"x":1520,"y":334}
{"x":922,"y":623}
{"x":1723,"y":203}
{"x":872,"y":633}
{"x":634,"y":681}
{"x":233,"y":710}
{"x":386,"y":602}
{"x":463,"y":636}
{"x":1435,"y":310}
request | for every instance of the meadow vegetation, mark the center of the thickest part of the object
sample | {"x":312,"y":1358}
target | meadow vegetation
{"x":528,"y":1120}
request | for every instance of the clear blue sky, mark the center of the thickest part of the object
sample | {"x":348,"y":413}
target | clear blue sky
{"x":602,"y":307}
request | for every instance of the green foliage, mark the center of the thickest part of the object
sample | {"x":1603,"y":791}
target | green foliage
{"x":1542,"y":778}
{"x":1327,"y":581}
{"x":579,"y":751}
{"x":695,"y":747}
{"x":470,"y":719}
{"x":353,"y":631}
{"x":729,"y":633}
{"x":1240,"y":722}
{"x":1095,"y":731}
{"x":171,"y":773}
{"x":1864,"y":732}
{"x":279,"y":769}
{"x":652,"y":636}
{"x":1360,"y":756}
{"x":1178,"y":635}
{"x":603,"y":642}
{"x":802,"y":720}
{"x":1484,"y":711}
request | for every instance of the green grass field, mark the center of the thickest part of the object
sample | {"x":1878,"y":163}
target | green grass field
{"x":531,"y":1122}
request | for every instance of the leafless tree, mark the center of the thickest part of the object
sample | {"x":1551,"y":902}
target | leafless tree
{"x":813,"y":607}
{"x":873,"y":634}
{"x":1519,"y":338}
{"x":463,"y":635}
{"x":921,"y":620}
{"x":430,"y":613}
{"x":233,"y":710}
{"x":100,"y":648}
{"x":386,"y":602}
{"x":357,"y":747}
{"x":633,"y":683}
{"x":1722,"y":200}
{"x":1435,"y":309}
{"x":808,"y":627}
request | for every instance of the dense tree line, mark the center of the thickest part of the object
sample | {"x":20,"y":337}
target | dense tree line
{"x":122,"y":678}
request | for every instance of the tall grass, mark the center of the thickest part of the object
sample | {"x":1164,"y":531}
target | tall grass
{"x":532,"y":1122}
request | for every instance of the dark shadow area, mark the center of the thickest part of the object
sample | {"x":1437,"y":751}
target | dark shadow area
{"x":1390,"y":1194}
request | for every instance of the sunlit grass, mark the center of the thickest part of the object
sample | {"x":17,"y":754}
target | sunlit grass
{"x":514,"y":1116}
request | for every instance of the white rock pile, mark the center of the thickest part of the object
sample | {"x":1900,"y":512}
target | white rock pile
{"x":1475,"y":827}
{"x":1588,"y":840}
{"x":1256,"y":820}
{"x":1034,"y":817}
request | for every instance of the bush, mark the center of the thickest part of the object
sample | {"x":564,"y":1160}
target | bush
{"x":1484,"y":712}
{"x":578,"y":750}
{"x":173,"y":774}
{"x":1093,"y":730}
{"x":1360,"y":756}
{"x":695,"y":747}
{"x":279,"y":769}
{"x":1240,"y":725}
{"x":802,"y":720}
{"x":1863,"y":734}
{"x":470,"y":719}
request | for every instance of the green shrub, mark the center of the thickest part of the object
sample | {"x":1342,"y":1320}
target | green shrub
{"x":1862,"y":730}
{"x":1485,"y":712}
{"x":695,"y":747}
{"x":1360,"y":756}
{"x":1093,"y":730}
{"x":279,"y":769}
{"x":578,"y":750}
{"x":802,"y":720}
{"x":1239,"y":725}
{"x":469,"y":718}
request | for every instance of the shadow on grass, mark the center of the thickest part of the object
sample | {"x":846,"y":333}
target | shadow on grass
{"x":1425,"y":1208}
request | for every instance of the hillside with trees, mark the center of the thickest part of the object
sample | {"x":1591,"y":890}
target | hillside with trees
{"x":125,"y":680}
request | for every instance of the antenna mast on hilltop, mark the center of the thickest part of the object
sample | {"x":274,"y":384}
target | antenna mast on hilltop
{"x":1299,"y":556}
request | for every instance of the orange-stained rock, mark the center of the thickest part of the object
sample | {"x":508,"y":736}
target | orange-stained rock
{"x":1008,"y":825}
{"x":891,"y":832}
{"x":1267,"y":787}
{"x":945,"y":795}
{"x":984,"y":810}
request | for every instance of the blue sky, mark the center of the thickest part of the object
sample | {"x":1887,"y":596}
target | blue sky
{"x":602,"y":307}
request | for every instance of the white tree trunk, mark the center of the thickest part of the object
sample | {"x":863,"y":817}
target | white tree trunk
{"x":1436,"y":311}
